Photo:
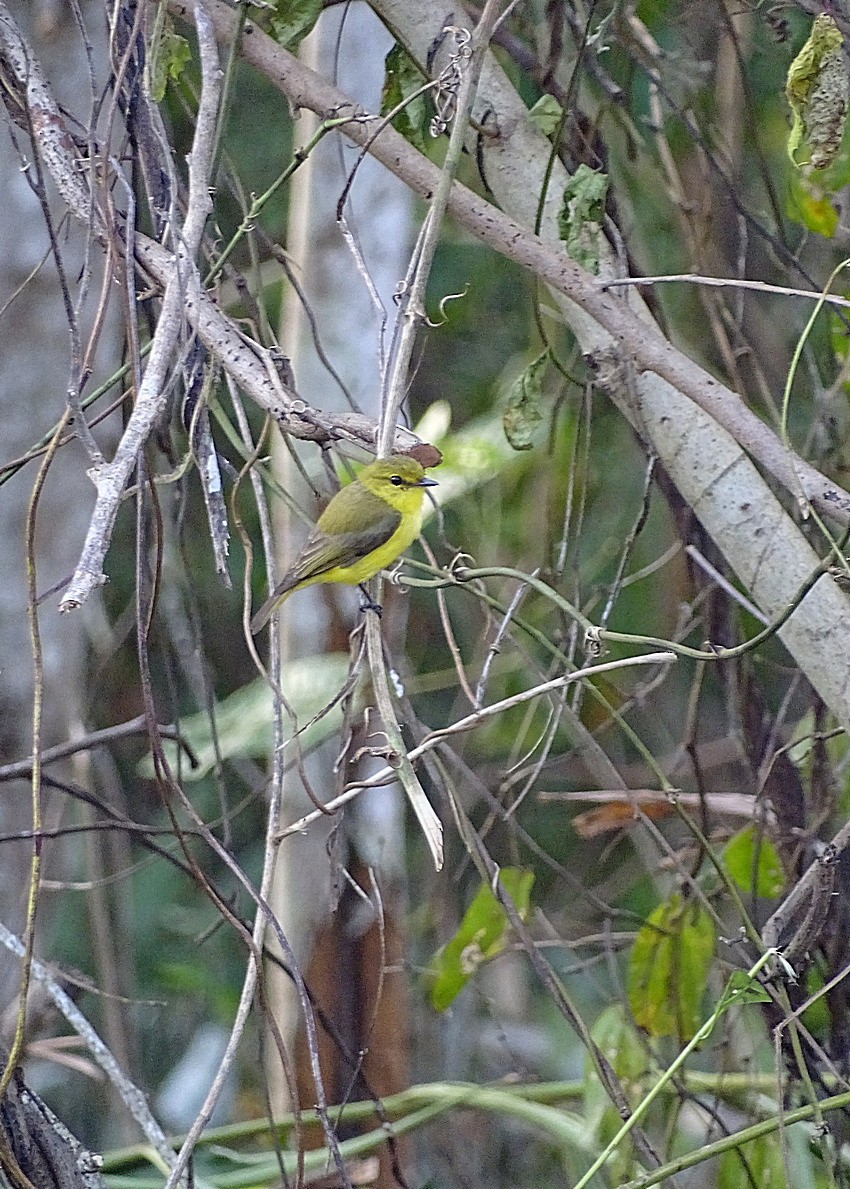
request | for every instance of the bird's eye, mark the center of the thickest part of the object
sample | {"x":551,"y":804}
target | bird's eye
{"x":396,"y":480}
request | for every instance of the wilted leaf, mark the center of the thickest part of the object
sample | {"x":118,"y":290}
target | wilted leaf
{"x":522,"y":414}
{"x":809,"y":205}
{"x":426,"y":454}
{"x":481,"y":936}
{"x":209,"y":473}
{"x":753,"y":863}
{"x":668,"y":968}
{"x":546,"y":115}
{"x":580,"y":217}
{"x":817,"y":88}
{"x":402,"y":78}
{"x":169,"y":58}
{"x":293,"y":19}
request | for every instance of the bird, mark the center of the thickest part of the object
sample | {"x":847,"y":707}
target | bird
{"x":364,"y":528}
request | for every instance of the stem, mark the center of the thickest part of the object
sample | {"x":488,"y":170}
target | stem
{"x":640,"y":1110}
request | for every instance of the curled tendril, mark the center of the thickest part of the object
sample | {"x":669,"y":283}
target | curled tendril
{"x":394,"y":576}
{"x":593,"y":642}
{"x":448,"y":84}
{"x":458,"y":563}
{"x":443,"y":303}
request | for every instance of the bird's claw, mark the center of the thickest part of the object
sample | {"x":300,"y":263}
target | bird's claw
{"x":368,"y":604}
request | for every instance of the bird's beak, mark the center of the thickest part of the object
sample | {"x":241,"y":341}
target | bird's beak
{"x":426,"y":482}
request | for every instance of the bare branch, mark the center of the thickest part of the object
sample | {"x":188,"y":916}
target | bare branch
{"x":111,"y":479}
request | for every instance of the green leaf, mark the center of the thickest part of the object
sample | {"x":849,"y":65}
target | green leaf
{"x":546,"y":115}
{"x":473,"y":455}
{"x":817,"y":89}
{"x":244,"y":719}
{"x":816,"y":1017}
{"x":402,"y":78}
{"x":614,"y":1032}
{"x":481,"y":936}
{"x":169,"y":57}
{"x":742,"y":988}
{"x":580,"y":217}
{"x":522,"y":414}
{"x":668,"y":969}
{"x":292,"y":20}
{"x":753,"y":863}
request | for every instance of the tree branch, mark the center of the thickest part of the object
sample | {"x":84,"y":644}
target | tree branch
{"x":638,"y":338}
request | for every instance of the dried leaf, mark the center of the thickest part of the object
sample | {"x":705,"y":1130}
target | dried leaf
{"x":615,"y":815}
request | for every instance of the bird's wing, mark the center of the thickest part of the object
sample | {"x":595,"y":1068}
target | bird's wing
{"x":325,"y":551}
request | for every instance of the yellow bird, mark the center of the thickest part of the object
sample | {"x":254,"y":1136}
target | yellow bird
{"x":364,"y":528}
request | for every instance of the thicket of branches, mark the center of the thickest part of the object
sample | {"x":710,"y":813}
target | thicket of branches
{"x":612,"y":688}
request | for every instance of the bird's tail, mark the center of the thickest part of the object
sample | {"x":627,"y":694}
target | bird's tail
{"x":268,"y":608}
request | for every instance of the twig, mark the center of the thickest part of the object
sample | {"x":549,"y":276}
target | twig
{"x":725,"y":585}
{"x":245,"y":361}
{"x":496,"y":643}
{"x":742,"y":805}
{"x":123,"y":730}
{"x":402,"y":768}
{"x":643,"y":342}
{"x":472,"y":720}
{"x":726,"y":283}
{"x":408,"y":321}
{"x":186,"y":279}
{"x":183,"y":284}
{"x":413,"y":307}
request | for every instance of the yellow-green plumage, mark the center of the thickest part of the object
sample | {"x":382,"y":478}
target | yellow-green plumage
{"x":364,"y":528}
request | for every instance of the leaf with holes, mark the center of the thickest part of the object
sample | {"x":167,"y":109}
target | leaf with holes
{"x":402,"y":79}
{"x":581,"y":214}
{"x":169,"y":58}
{"x":817,"y":87}
{"x":522,"y":414}
{"x":481,"y":936}
{"x":293,"y":20}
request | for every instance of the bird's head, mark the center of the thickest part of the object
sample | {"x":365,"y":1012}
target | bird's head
{"x":394,"y":477}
